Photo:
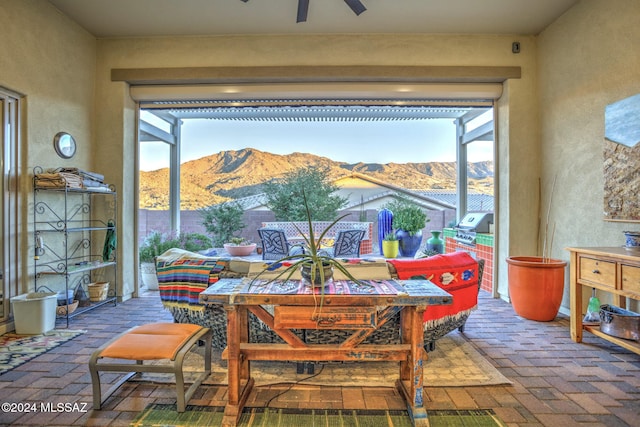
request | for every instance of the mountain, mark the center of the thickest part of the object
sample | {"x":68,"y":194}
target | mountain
{"x":233,"y":174}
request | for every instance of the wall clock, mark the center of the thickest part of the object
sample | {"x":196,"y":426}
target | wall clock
{"x":65,"y":145}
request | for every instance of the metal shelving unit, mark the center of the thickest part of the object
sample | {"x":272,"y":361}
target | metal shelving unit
{"x":67,"y":223}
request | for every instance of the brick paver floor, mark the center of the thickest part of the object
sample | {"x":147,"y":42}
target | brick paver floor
{"x":556,"y":382}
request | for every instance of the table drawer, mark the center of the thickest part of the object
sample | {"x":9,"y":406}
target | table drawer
{"x":597,"y":271}
{"x":299,"y":317}
{"x":631,"y":278}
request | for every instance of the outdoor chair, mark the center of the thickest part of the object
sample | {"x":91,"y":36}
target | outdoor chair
{"x":274,"y":243}
{"x":347,"y":244}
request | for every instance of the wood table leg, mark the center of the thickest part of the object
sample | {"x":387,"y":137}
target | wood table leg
{"x":238,"y":368}
{"x":575,"y":300}
{"x":411,"y":370}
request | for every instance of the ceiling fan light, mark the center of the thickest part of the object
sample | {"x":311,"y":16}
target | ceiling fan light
{"x":303,"y":10}
{"x":356,"y":6}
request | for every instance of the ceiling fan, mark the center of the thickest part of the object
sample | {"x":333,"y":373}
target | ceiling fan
{"x":303,"y":8}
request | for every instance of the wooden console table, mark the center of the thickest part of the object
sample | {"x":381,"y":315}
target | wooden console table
{"x":615,"y":270}
{"x":347,"y":305}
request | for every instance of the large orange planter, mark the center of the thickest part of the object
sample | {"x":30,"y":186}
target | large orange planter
{"x":536,"y":287}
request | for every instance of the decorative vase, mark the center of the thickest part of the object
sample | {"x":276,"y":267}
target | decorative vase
{"x":305,"y":272}
{"x":536,"y":286}
{"x":385,"y":221}
{"x":390,"y":248}
{"x":632,"y":240}
{"x":409,"y":244}
{"x":435,"y":243}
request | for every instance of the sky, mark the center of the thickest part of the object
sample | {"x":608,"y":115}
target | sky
{"x":352,"y":142}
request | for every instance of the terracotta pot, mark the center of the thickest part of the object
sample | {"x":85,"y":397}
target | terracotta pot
{"x":239,"y":250}
{"x":536,"y":287}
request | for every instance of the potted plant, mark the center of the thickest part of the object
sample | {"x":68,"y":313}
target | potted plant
{"x":408,"y":221}
{"x":536,"y":283}
{"x":390,"y":245}
{"x":314,"y":264}
{"x":427,"y":252}
{"x":157,"y":243}
{"x":239,"y":246}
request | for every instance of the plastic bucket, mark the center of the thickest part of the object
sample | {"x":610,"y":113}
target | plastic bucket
{"x":34,"y":313}
{"x":61,"y":297}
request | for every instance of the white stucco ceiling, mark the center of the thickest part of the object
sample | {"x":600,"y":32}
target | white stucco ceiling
{"x":142,"y":18}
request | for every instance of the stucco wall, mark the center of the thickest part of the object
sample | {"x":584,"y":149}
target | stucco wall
{"x":586,"y":60}
{"x":550,"y":122}
{"x":51,"y":61}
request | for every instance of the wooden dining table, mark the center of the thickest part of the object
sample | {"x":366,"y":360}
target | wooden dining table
{"x":360,"y":307}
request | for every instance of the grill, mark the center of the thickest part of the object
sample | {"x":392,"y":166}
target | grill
{"x":471,"y":224}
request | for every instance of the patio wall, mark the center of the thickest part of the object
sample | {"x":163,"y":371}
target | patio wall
{"x":191,"y":221}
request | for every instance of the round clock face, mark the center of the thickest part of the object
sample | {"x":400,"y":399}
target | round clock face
{"x":64,"y":145}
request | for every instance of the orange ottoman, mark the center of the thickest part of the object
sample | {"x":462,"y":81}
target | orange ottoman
{"x":155,"y":341}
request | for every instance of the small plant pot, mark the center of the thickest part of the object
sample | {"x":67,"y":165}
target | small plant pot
{"x":239,"y":250}
{"x":305,"y":272}
{"x":390,"y":248}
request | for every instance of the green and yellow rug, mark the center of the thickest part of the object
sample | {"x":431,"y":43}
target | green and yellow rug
{"x":18,"y":349}
{"x":195,"y":416}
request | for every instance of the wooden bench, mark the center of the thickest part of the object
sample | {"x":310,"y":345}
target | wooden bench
{"x":155,"y":341}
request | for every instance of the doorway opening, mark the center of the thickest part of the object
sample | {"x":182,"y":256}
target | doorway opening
{"x":193,"y":155}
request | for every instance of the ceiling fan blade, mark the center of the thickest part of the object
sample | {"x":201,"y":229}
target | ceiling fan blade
{"x":356,"y":6}
{"x":303,"y":9}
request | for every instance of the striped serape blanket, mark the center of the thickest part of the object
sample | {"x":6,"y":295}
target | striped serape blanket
{"x":181,"y":281}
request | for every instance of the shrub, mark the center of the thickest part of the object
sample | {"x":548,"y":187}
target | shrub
{"x":157,"y":243}
{"x":407,"y":215}
{"x":223,"y":221}
{"x":286,"y":197}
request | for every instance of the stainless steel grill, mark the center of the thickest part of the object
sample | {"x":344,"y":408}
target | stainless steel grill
{"x":471,"y":224}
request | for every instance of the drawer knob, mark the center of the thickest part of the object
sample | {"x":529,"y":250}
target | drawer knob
{"x":596,"y":271}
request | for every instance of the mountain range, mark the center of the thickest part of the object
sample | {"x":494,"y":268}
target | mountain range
{"x":230,"y":175}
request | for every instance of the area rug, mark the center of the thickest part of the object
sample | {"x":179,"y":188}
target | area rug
{"x":18,"y":349}
{"x":454,"y":363}
{"x":166,"y":415}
